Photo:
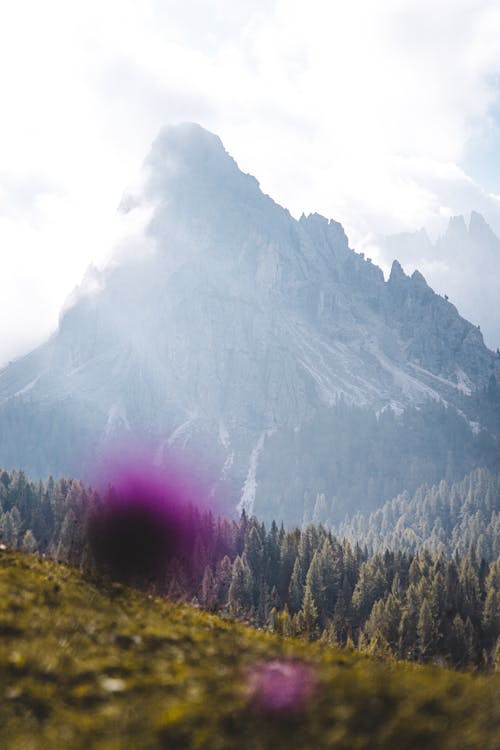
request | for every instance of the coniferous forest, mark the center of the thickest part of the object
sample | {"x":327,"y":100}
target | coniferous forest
{"x":424,"y":588}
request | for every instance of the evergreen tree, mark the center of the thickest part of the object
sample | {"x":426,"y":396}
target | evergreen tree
{"x":208,"y":590}
{"x":309,"y":613}
{"x":379,"y":647}
{"x":426,"y":632}
{"x":370,"y":586}
{"x":288,"y":555}
{"x":315,"y":582}
{"x":458,"y":643}
{"x":407,"y":636}
{"x":240,"y":597}
{"x":264,"y":603}
{"x":223,"y":577}
{"x":470,"y":593}
{"x":491,"y":609}
{"x":254,"y":553}
{"x":274,"y":622}
{"x":286,"y":624}
{"x":329,"y":636}
{"x":29,"y":543}
{"x":296,"y":588}
{"x":496,"y":656}
{"x":470,"y":642}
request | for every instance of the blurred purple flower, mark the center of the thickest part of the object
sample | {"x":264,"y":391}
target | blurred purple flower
{"x":147,"y":516}
{"x":281,"y":686}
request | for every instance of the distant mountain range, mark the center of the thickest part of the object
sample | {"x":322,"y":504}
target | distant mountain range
{"x":244,"y":337}
{"x":463,"y":263}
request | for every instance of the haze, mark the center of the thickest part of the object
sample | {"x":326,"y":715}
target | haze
{"x":384,"y":117}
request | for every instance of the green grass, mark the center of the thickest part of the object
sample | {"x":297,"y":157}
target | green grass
{"x":85,"y":664}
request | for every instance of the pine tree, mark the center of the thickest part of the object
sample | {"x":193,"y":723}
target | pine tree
{"x":286,"y":624}
{"x":299,"y":627}
{"x":296,"y":588}
{"x":241,"y":588}
{"x":288,"y":554}
{"x":376,"y":621}
{"x":272,"y":565}
{"x":223,"y":576}
{"x":307,"y":545}
{"x":69,"y":547}
{"x":309,"y":613}
{"x":471,"y":649}
{"x":29,"y":543}
{"x":426,"y":632}
{"x":458,"y":645}
{"x":495,"y":656}
{"x":12,"y":528}
{"x":470,"y":593}
{"x":330,"y":567}
{"x":371,"y":585}
{"x":341,"y":618}
{"x":379,"y":647}
{"x":274,"y":623}
{"x":274,"y":598}
{"x":407,"y":636}
{"x":314,"y":581}
{"x":254,"y":552}
{"x":208,"y":591}
{"x":491,"y":608}
{"x":392,"y":617}
{"x":329,"y":635}
{"x":264,"y":603}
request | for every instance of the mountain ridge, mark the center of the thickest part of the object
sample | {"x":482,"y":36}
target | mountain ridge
{"x":461,"y":263}
{"x":236,"y":321}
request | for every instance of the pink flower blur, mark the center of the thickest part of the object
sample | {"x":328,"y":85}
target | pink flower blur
{"x":280,"y":686}
{"x":147,"y":516}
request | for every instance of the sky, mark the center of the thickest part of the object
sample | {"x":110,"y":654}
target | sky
{"x":384,"y":116}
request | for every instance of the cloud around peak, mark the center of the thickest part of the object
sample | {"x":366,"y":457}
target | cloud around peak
{"x":363,"y":112}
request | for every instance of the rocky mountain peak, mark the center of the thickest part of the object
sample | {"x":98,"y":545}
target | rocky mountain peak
{"x":187,"y":174}
{"x":481,"y":232}
{"x":419,"y":278}
{"x":478,"y":231}
{"x":188,"y":152}
{"x":241,"y":324}
{"x":397,"y":274}
{"x":457,"y":228}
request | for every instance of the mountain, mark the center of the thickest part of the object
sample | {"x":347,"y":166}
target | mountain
{"x":462,"y":263}
{"x":231,"y":331}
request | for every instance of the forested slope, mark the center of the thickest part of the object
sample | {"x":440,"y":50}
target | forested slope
{"x":447,"y":517}
{"x":410,"y":603}
{"x":87,"y":664}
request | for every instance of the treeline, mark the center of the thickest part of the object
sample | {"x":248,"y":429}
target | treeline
{"x":450,"y":518}
{"x":424,"y":607}
{"x":420,"y":607}
{"x":45,"y":517}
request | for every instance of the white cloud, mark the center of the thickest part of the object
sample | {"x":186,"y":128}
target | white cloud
{"x":361,"y":110}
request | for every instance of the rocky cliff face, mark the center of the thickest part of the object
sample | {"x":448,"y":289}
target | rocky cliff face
{"x":229,"y":322}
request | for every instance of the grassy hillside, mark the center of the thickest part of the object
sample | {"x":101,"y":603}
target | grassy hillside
{"x":90,"y":665}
